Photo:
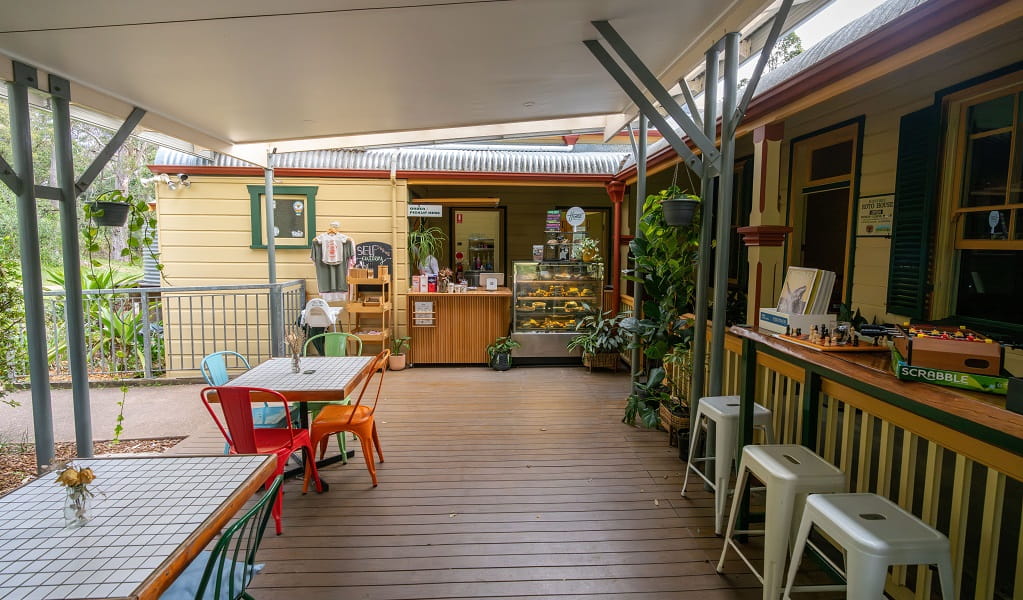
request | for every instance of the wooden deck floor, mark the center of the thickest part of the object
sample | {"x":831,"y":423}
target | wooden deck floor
{"x":523,"y":484}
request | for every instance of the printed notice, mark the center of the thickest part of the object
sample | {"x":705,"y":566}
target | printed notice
{"x":874,"y":216}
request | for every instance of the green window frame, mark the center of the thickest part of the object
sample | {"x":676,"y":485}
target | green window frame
{"x":305,"y":194}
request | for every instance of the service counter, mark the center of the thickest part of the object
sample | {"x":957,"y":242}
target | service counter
{"x":456,"y":328}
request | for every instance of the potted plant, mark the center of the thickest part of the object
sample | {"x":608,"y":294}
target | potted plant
{"x":500,"y":353}
{"x":678,"y":208}
{"x":423,"y":242}
{"x":674,"y":408}
{"x":587,"y":250}
{"x":601,"y":339}
{"x":110,"y":209}
{"x":396,"y":361}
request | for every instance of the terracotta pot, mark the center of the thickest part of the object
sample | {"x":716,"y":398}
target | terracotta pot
{"x":396,"y":362}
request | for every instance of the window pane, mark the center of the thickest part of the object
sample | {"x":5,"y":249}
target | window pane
{"x":988,"y":170}
{"x":289,"y":217}
{"x":984,"y":289}
{"x":1018,"y":235}
{"x":986,"y":225}
{"x":992,"y":114}
{"x":831,"y":161}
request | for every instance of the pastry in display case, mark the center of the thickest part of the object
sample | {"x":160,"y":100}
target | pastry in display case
{"x":550,"y":299}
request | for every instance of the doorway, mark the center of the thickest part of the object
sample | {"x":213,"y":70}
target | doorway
{"x":824,"y":176}
{"x":477,"y":240}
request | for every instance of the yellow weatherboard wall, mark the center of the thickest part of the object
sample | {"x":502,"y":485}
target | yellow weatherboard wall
{"x":205,"y":233}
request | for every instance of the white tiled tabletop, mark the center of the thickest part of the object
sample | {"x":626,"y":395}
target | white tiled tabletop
{"x":317,"y":374}
{"x":144,"y":510}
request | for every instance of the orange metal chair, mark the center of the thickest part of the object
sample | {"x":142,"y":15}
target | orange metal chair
{"x":355,"y":418}
{"x":244,"y":438}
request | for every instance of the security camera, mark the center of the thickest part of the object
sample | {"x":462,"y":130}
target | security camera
{"x":183,"y":178}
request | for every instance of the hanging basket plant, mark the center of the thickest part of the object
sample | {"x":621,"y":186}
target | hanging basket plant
{"x":110,"y":209}
{"x":679,"y":211}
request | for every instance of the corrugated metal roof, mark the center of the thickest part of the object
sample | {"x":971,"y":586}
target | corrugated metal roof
{"x":461,"y":158}
{"x":856,"y":29}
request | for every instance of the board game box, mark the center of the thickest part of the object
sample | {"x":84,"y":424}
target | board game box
{"x":949,"y":348}
{"x":966,"y":381}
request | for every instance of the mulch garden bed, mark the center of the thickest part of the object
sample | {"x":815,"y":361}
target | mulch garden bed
{"x":18,"y":461}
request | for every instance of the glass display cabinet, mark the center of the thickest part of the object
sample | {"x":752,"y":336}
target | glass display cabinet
{"x":550,"y":299}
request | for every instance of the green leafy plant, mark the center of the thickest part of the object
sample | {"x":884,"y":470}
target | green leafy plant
{"x":399,"y":345}
{"x":502,"y":345}
{"x":13,"y":352}
{"x":666,"y":262}
{"x":586,"y":249}
{"x":601,"y":334}
{"x":424,"y":241}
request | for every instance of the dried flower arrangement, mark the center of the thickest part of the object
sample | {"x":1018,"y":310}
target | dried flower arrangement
{"x":295,"y":340}
{"x":77,"y":481}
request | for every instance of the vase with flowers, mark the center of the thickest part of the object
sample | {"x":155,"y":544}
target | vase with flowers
{"x":444,"y":279}
{"x":295,"y":339}
{"x":78,"y":502}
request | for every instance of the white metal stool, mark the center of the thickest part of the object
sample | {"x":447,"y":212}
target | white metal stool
{"x":723,"y":411}
{"x":875,"y":534}
{"x":790,"y":472}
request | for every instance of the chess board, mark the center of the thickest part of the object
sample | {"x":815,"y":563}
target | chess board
{"x":804,"y":340}
{"x":143,"y":511}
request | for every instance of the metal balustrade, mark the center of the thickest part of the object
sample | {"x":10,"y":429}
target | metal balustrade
{"x":147,"y":332}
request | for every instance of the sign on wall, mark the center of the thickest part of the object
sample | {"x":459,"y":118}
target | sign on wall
{"x":424,"y":210}
{"x":370,"y":255}
{"x":874,"y":215}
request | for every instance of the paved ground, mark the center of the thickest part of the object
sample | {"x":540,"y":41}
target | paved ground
{"x":150,"y":411}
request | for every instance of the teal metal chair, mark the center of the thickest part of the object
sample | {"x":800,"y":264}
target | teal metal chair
{"x":227,"y":570}
{"x":214,"y":371}
{"x":333,"y":344}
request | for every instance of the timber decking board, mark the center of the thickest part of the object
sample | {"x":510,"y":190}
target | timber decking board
{"x":521,"y":484}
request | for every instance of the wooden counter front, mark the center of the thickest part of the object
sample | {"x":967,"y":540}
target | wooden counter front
{"x":874,"y":371}
{"x":464,"y":325}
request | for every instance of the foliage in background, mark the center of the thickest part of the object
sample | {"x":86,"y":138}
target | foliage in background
{"x":13,"y":353}
{"x":666,"y":262}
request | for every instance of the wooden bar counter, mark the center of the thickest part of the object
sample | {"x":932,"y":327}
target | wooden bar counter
{"x":462,"y":325}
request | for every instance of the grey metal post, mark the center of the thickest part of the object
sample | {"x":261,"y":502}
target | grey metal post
{"x":60,"y":91}
{"x":710,"y":93}
{"x":637,"y":295}
{"x":31,"y":270}
{"x":147,"y":336}
{"x":276,"y":311}
{"x":724,"y":210}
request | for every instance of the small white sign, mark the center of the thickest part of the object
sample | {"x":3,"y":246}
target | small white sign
{"x":424,"y":210}
{"x":575,"y":216}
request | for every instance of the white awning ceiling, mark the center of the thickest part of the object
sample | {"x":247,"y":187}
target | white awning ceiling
{"x":238,"y":76}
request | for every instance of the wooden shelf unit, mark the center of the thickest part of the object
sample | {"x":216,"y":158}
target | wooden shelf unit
{"x":362,"y":318}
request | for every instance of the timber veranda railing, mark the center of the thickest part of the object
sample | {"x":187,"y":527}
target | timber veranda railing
{"x":959,"y":481}
{"x":148,"y":332}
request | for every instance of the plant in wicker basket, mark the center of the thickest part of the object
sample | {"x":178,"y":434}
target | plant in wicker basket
{"x":601,"y":338}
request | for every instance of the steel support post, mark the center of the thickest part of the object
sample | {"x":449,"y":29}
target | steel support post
{"x":31,"y":269}
{"x":637,"y":294}
{"x":60,"y":91}
{"x":724,"y":210}
{"x":710,"y":118}
{"x":276,"y":309}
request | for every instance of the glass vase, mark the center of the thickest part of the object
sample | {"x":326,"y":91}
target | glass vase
{"x":296,"y":363}
{"x":77,"y":506}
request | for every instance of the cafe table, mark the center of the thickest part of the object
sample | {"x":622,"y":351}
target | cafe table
{"x":151,"y":517}
{"x":320,"y":379}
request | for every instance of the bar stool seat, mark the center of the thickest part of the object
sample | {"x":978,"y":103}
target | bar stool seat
{"x":723,"y":411}
{"x":875,"y":534}
{"x":790,"y":472}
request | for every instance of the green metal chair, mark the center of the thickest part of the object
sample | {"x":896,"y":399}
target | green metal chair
{"x":333,"y":344}
{"x":225,"y":571}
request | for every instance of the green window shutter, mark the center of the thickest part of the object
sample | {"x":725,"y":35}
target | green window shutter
{"x":915,"y":186}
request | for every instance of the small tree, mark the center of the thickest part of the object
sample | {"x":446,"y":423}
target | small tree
{"x":13,"y":353}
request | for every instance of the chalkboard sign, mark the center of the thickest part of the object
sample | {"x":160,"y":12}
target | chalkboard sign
{"x":370,"y":255}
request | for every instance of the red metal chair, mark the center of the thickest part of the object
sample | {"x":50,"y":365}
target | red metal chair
{"x":244,"y":438}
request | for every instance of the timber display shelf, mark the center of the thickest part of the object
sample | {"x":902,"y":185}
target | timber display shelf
{"x":366,"y":317}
